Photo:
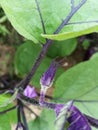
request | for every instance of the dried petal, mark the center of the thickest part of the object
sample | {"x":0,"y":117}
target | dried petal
{"x":77,"y":120}
{"x":30,"y":92}
{"x":47,"y":78}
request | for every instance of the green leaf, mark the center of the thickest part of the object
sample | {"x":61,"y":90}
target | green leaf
{"x":62,"y":48}
{"x":3,"y":30}
{"x":7,"y":118}
{"x":94,"y":55}
{"x":86,"y":44}
{"x":44,"y":122}
{"x":79,"y":82}
{"x":38,"y":124}
{"x":12,"y":116}
{"x":25,"y":17}
{"x":24,"y":59}
{"x":72,"y":34}
{"x":4,"y":122}
{"x":6,"y":100}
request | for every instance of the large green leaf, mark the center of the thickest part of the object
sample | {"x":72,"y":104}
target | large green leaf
{"x":79,"y":82}
{"x":25,"y":58}
{"x":44,"y":122}
{"x":25,"y":17}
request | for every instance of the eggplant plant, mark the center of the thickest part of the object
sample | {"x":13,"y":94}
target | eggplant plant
{"x":52,"y":28}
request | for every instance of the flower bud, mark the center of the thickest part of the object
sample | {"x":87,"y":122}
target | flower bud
{"x":48,"y":77}
{"x":30,"y":92}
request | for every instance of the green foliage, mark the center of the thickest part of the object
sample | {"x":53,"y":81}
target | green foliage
{"x":79,"y":82}
{"x":3,"y":30}
{"x":44,"y":122}
{"x":62,"y":48}
{"x":6,"y":100}
{"x":86,"y":44}
{"x":7,"y":119}
{"x":24,"y":16}
{"x":4,"y":122}
{"x":95,"y":55}
{"x":24,"y":59}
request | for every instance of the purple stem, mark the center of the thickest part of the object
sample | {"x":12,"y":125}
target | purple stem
{"x":23,"y":116}
{"x":46,"y":104}
{"x":72,"y":12}
{"x":44,"y":50}
{"x":18,"y":116}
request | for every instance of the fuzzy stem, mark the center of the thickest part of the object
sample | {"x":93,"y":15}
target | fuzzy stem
{"x":45,"y":48}
{"x":45,"y":104}
{"x":23,"y":117}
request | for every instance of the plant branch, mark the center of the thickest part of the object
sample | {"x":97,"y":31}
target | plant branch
{"x":72,"y":4}
{"x":25,"y":81}
{"x":72,"y":12}
{"x":20,"y":125}
{"x":23,"y":116}
{"x":18,"y":112}
{"x":25,"y":99}
{"x":43,"y":52}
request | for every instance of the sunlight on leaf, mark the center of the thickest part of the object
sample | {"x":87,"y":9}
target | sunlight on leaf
{"x":25,"y":17}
